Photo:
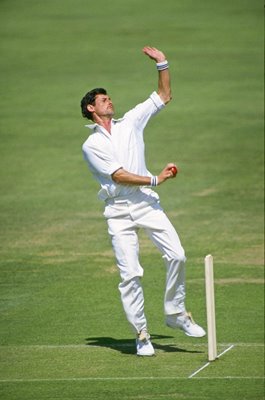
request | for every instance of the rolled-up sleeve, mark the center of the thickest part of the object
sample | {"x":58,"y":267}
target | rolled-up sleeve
{"x":157,"y":101}
{"x":100,"y":161}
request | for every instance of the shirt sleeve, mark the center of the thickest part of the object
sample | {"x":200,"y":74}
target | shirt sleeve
{"x":158,"y":102}
{"x":100,"y":161}
{"x":141,"y":114}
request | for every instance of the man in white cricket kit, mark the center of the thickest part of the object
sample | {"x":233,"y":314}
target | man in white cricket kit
{"x":115,"y":155}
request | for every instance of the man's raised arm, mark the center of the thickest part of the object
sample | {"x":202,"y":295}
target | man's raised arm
{"x":164,"y":89}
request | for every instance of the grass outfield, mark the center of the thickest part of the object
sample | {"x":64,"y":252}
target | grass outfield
{"x":63,"y":332}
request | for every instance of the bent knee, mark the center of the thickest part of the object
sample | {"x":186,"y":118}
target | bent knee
{"x":178,"y":257}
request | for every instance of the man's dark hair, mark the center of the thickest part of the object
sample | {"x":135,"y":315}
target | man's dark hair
{"x":90,"y":98}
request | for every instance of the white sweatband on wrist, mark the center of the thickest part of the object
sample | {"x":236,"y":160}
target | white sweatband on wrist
{"x":154,"y":181}
{"x":162,"y":65}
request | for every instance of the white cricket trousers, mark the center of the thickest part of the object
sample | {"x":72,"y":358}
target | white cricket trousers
{"x":125,"y":217}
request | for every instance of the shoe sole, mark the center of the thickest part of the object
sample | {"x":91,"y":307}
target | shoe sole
{"x":198,"y":336}
{"x":186,"y":333}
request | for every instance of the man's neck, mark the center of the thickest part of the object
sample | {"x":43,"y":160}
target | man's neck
{"x":105,"y":122}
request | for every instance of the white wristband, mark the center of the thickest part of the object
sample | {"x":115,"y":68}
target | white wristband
{"x":154,"y":181}
{"x":162,"y":65}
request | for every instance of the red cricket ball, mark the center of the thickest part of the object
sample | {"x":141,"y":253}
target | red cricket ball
{"x":174,"y":170}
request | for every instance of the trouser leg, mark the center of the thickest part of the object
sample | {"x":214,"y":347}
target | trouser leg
{"x":174,"y":300}
{"x":165,"y":237}
{"x":126,"y":248}
{"x":133,"y":303}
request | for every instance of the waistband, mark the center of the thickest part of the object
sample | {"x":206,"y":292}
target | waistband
{"x":122,"y":199}
{"x":139,"y":195}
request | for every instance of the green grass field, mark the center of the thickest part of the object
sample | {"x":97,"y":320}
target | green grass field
{"x":63,"y":332}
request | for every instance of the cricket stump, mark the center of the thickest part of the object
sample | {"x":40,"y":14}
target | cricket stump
{"x":210,"y":308}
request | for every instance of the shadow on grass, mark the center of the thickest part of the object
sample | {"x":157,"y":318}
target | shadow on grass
{"x":127,"y":346}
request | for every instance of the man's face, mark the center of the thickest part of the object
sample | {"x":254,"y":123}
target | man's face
{"x":103,"y":106}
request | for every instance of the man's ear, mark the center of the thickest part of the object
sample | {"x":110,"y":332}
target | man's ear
{"x":90,"y":108}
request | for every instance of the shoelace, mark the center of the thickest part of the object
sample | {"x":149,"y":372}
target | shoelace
{"x":189,"y":316}
{"x":143,"y":336}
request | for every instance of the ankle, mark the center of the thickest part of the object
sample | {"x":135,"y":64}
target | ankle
{"x":143,"y":335}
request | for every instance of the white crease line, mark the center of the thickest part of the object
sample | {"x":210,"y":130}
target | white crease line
{"x":199,"y":370}
{"x":231,"y":377}
{"x":129,"y":378}
{"x":225,"y":351}
{"x":208,"y":363}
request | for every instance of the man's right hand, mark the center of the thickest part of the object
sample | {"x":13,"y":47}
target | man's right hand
{"x":167,"y":173}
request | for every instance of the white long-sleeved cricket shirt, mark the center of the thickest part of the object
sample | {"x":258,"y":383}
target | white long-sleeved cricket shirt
{"x":124,"y":148}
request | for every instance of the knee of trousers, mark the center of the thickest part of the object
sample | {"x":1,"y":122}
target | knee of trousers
{"x":129,"y":277}
{"x":175,"y":257}
{"x":129,"y":272}
{"x":128,"y":284}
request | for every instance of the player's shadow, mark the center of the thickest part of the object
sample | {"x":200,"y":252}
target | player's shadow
{"x":127,"y":346}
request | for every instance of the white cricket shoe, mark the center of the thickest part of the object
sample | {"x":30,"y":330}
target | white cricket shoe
{"x":185,"y":322}
{"x":144,"y":346}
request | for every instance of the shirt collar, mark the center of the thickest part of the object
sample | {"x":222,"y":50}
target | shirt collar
{"x":93,"y":126}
